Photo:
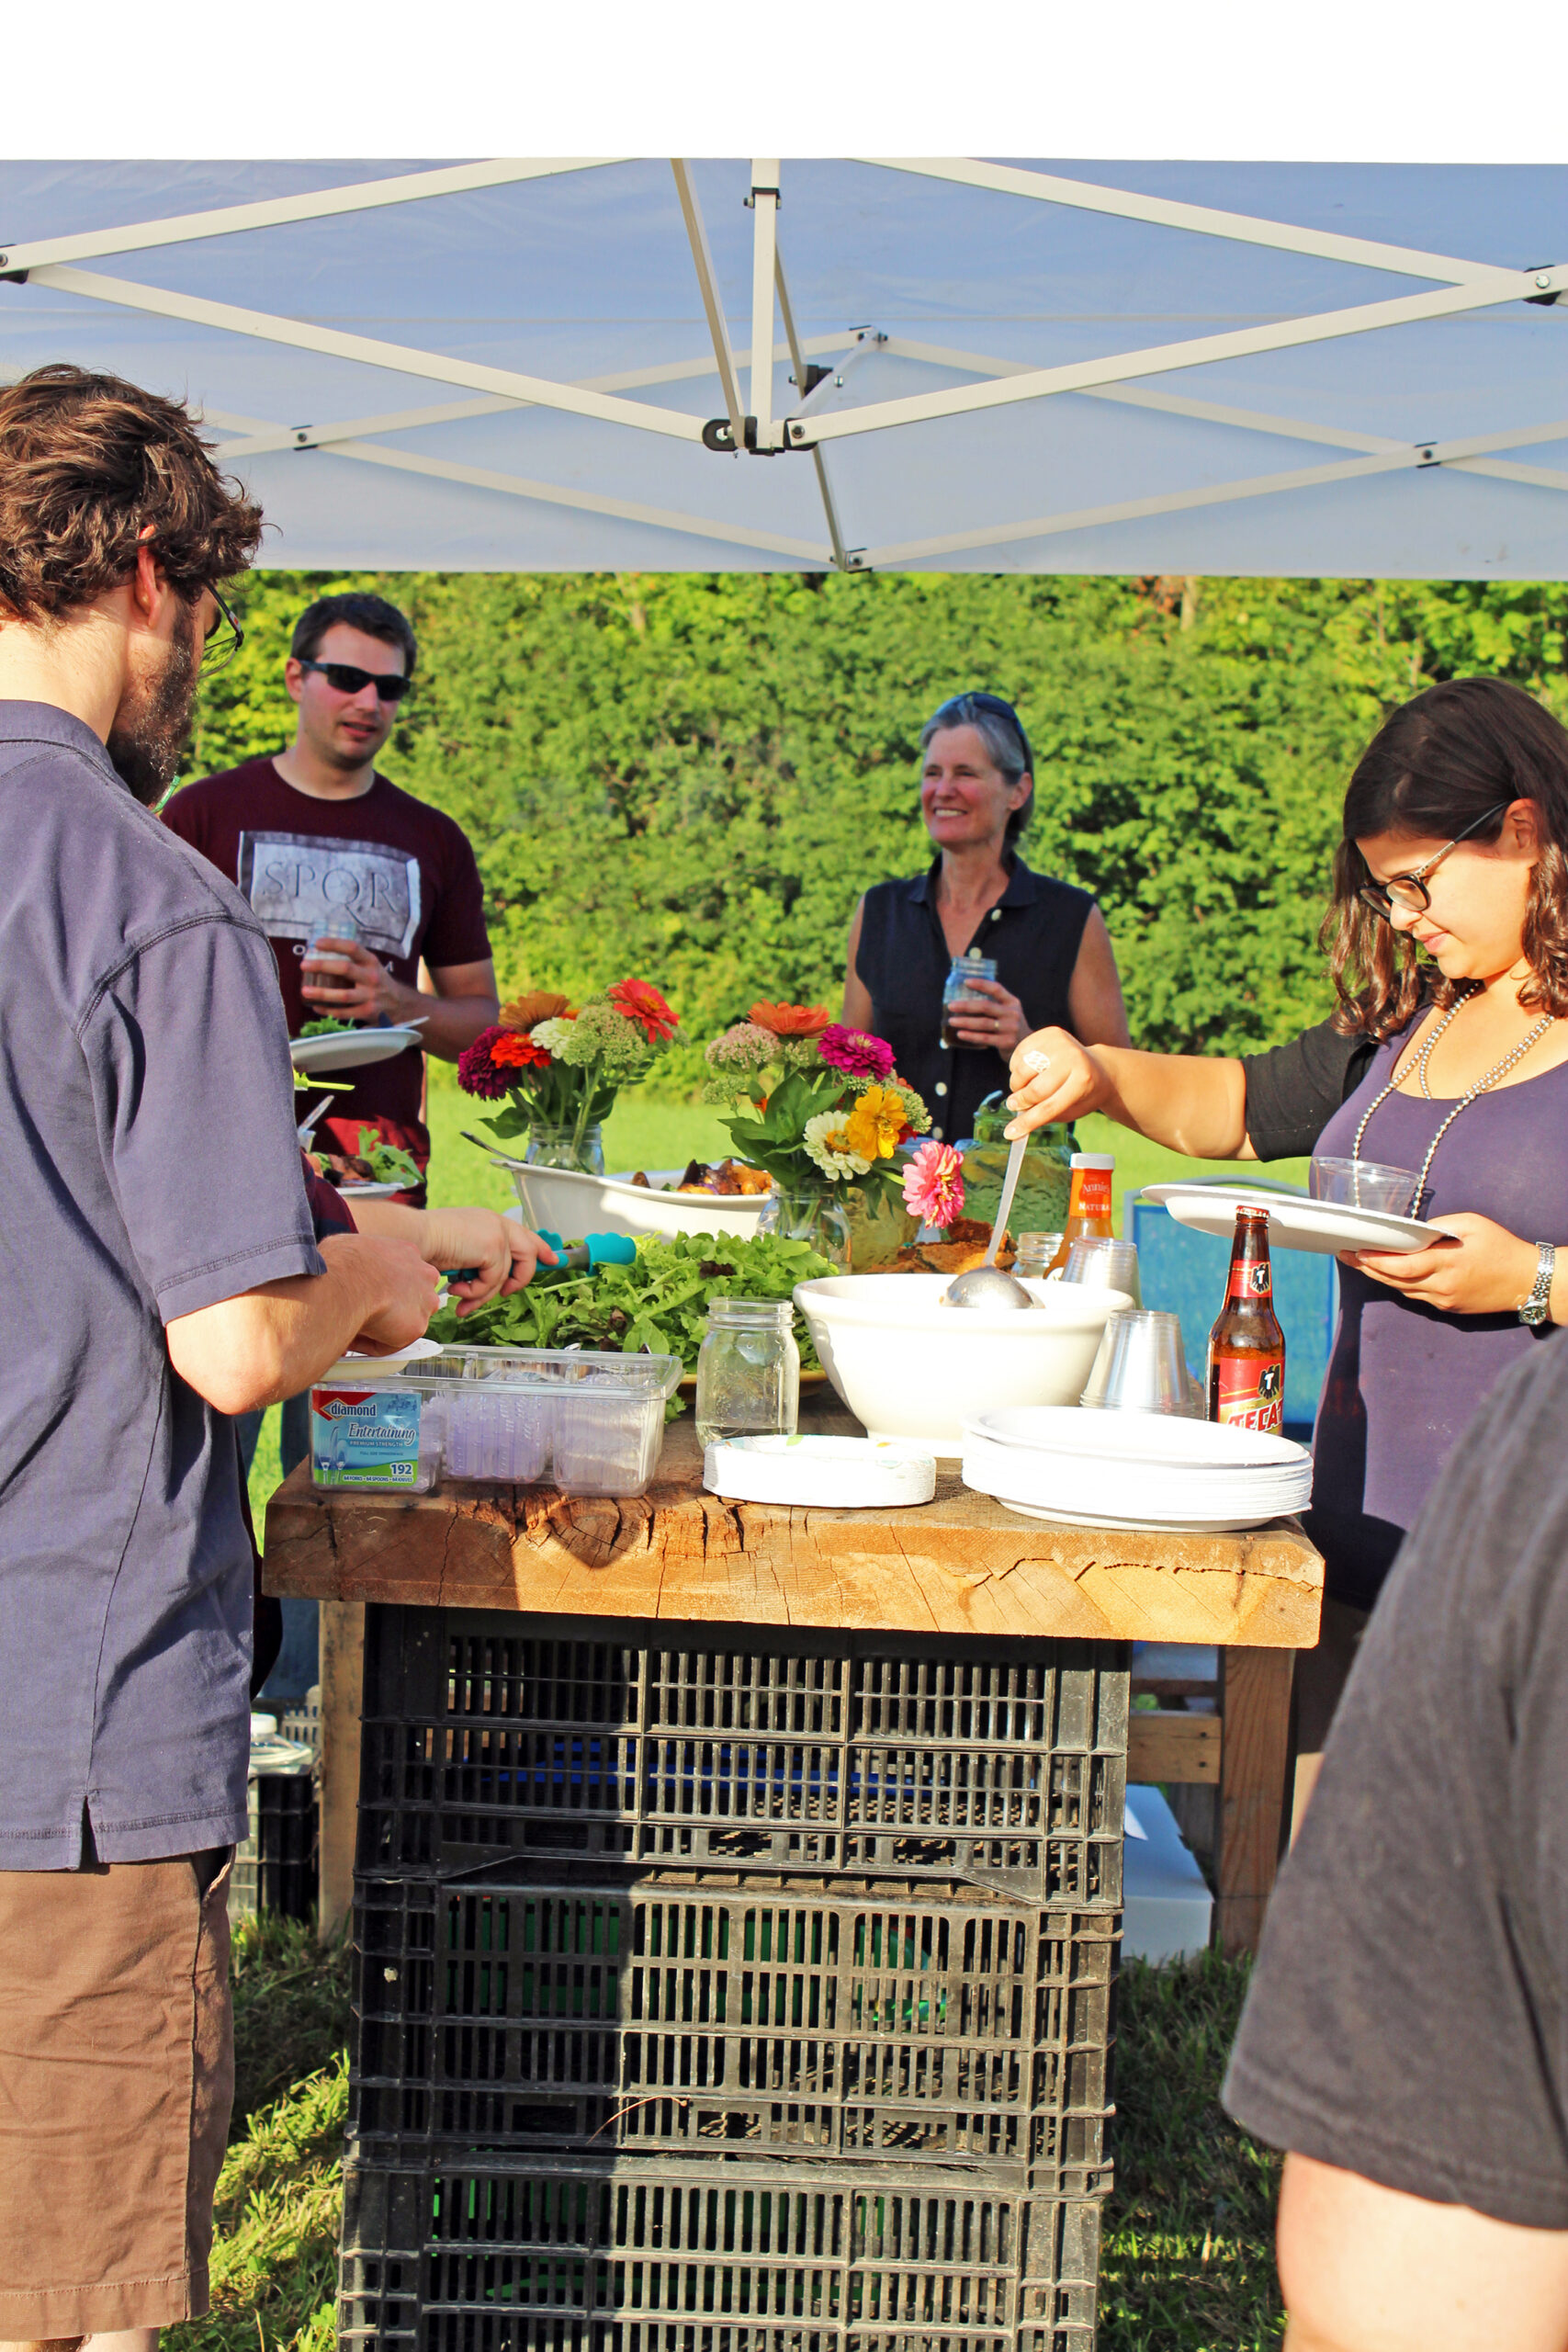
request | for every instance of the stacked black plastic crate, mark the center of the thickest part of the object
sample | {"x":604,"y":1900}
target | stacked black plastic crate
{"x":727,"y":1991}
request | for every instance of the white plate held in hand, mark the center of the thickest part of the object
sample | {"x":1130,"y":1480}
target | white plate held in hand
{"x":349,"y":1048}
{"x":1295,"y":1221}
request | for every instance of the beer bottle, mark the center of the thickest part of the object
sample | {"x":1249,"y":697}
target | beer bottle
{"x":1088,"y":1203}
{"x":1246,"y":1346}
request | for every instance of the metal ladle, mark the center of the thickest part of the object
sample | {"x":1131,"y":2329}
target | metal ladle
{"x":985,"y":1284}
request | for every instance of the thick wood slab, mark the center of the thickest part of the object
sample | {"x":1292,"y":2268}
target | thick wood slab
{"x":960,"y":1564}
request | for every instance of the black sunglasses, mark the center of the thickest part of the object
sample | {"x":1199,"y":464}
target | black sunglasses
{"x":224,"y":639}
{"x":344,"y":679}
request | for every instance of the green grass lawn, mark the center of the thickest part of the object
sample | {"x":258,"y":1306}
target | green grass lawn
{"x":1187,"y":2265}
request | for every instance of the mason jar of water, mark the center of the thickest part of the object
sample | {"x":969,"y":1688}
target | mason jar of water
{"x":748,"y":1371}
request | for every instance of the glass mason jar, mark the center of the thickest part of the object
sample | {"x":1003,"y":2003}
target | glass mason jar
{"x":1036,"y":1254}
{"x":808,"y":1213}
{"x":955,"y":988}
{"x":566,"y":1147}
{"x":748,"y":1371}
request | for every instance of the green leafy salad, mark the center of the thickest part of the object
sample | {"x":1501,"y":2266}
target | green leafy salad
{"x":326,"y":1025}
{"x":659,"y":1304}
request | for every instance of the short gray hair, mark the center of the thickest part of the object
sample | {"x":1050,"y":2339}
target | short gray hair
{"x":1001,"y":729}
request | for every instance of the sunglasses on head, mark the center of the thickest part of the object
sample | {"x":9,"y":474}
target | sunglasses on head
{"x":344,"y":679}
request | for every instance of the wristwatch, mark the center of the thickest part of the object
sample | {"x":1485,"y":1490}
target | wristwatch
{"x":1536,"y":1310}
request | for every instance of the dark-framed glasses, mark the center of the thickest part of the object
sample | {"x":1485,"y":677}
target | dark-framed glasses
{"x":345,"y":678}
{"x":1409,"y":892}
{"x":224,"y":639}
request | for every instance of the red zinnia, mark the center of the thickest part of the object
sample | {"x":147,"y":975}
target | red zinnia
{"x":513,"y":1050}
{"x":641,"y":1002}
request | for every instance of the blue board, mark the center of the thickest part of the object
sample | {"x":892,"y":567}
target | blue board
{"x":1184,"y":1273}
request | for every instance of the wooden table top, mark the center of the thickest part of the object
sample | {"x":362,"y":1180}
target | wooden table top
{"x":961,"y":1564}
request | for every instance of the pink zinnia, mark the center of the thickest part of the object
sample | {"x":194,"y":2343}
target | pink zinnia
{"x":933,"y":1183}
{"x":852,"y":1050}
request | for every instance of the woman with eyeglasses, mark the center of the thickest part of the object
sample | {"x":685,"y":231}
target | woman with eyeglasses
{"x":1448,"y":939}
{"x":978,"y":900}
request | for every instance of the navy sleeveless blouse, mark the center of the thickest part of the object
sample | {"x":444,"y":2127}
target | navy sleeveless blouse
{"x":1033,"y":933}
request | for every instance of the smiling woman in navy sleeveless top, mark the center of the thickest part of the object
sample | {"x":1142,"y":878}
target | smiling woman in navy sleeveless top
{"x":1055,"y":962}
{"x":1448,"y":1054}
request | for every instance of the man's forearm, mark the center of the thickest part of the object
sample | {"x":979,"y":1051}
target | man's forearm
{"x":254,"y":1351}
{"x":450,"y":1024}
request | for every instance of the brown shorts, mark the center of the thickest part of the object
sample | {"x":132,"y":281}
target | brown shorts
{"x":116,"y":2076}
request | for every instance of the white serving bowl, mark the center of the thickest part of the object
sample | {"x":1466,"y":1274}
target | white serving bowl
{"x":572,"y":1204}
{"x":907,"y":1366}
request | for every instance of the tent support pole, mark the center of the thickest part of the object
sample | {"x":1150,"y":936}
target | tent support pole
{"x":708,"y":283}
{"x":764,"y":245}
{"x":798,"y":361}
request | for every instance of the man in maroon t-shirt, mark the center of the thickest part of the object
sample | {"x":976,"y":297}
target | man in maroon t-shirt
{"x":314,"y":836}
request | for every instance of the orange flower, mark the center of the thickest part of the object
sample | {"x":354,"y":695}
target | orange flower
{"x":641,"y":1002}
{"x":538,"y":1004}
{"x":514,"y":1049}
{"x":790,"y":1020}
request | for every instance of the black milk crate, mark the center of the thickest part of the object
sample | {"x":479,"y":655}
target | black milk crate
{"x":917,"y":2022}
{"x":653,"y":2254}
{"x":274,"y":1869}
{"x":490,"y":1736}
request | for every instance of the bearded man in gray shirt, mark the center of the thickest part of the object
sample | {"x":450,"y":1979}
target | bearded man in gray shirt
{"x":161,"y":1273}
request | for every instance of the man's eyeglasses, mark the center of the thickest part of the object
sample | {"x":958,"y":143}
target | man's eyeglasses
{"x":344,"y":679}
{"x":1409,"y":892}
{"x":224,"y":639}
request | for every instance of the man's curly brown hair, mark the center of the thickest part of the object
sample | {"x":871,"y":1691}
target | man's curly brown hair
{"x":88,"y":465}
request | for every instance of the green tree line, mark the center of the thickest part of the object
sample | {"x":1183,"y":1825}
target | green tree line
{"x":693,"y":776}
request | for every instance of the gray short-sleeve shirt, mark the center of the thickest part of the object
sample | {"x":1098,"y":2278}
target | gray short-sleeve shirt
{"x":149,"y":1169}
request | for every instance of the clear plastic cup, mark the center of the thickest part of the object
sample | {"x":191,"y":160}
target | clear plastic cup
{"x":1364,"y":1184}
{"x":1107,"y":1265}
{"x":1140,"y":1367}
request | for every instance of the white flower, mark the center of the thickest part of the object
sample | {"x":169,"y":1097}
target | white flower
{"x":828,"y":1144}
{"x":551,"y":1035}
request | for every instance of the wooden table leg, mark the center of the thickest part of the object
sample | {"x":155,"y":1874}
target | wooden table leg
{"x":1254,"y":1703}
{"x":343,"y":1687}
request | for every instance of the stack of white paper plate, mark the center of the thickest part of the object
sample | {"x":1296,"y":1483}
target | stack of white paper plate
{"x":1136,"y":1470}
{"x":833,"y":1472}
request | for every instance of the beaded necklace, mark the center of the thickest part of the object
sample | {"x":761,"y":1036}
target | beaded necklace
{"x":1482,"y":1086}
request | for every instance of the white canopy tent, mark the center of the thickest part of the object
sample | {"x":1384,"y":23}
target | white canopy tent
{"x":873,"y":363}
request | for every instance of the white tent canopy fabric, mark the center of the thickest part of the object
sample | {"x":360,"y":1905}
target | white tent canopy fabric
{"x":1066,"y":366}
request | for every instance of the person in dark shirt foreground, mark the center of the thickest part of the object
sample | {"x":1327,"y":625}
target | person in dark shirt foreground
{"x":1406,"y":2034}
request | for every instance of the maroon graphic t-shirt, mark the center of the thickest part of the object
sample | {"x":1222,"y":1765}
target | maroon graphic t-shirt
{"x":406,"y":873}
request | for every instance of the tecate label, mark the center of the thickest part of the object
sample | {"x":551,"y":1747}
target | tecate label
{"x":365,"y":1437}
{"x":1251,"y":1392}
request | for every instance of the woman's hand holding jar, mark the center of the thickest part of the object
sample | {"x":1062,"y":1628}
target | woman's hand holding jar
{"x":988,"y":1014}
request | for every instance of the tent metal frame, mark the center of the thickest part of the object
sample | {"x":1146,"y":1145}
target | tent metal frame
{"x":751,"y":427}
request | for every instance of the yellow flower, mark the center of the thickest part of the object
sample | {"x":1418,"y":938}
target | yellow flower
{"x":877,"y":1123}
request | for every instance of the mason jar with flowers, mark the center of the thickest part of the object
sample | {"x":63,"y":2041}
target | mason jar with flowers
{"x":559,"y":1067}
{"x":822,"y":1109}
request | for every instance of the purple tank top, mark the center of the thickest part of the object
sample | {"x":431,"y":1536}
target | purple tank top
{"x":1404,"y":1381}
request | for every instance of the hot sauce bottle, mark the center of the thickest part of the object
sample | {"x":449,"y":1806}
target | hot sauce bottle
{"x":1246,"y":1346}
{"x":1088,"y":1203}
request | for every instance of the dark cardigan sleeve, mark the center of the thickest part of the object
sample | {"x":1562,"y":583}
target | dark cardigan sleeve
{"x":1294,"y":1091}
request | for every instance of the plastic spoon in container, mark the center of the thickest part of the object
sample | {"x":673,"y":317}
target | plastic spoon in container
{"x":985,"y":1284}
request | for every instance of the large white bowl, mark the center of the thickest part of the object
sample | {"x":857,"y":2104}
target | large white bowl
{"x":907,"y":1366}
{"x":572,"y":1204}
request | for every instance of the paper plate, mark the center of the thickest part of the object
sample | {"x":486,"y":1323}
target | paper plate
{"x":1295,"y":1222}
{"x":349,"y":1048}
{"x":832,"y":1473}
{"x":1228,"y":1526}
{"x":371,"y":1191}
{"x":1135,"y":1440}
{"x":417,"y":1351}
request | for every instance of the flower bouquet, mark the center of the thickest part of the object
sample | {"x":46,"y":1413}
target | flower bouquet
{"x":559,"y":1069}
{"x":822,"y":1109}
